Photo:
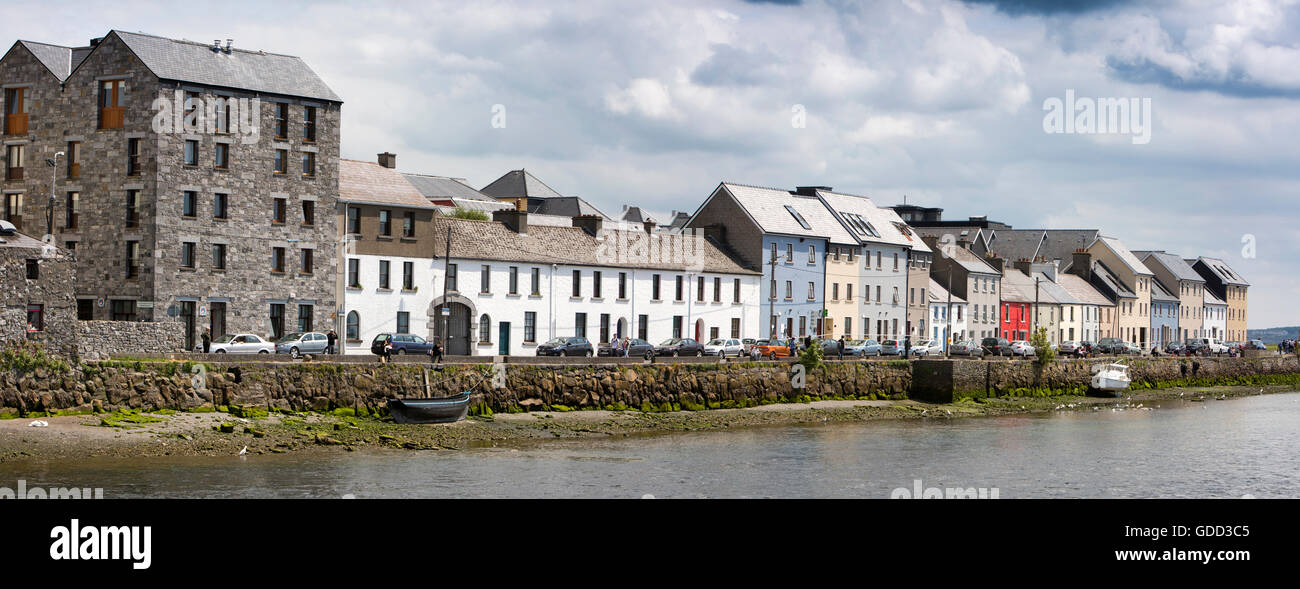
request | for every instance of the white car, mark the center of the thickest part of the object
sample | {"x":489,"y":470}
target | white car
{"x":927,"y":348}
{"x":241,"y":343}
{"x":1022,"y":348}
{"x":724,"y":348}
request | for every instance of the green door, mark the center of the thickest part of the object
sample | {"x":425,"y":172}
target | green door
{"x":503,"y":338}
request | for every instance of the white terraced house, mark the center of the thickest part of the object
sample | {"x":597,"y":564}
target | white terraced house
{"x":882,"y":269}
{"x":522,"y":279}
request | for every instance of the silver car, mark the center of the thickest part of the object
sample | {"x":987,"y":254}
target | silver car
{"x":241,"y":343}
{"x":925,"y":348}
{"x":297,"y":344}
{"x":724,"y":348}
{"x":967,"y":348}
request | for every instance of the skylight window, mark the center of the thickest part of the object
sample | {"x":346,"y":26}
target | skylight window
{"x":798,"y":217}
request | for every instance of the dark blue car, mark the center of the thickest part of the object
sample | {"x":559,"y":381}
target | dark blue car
{"x":403,"y":343}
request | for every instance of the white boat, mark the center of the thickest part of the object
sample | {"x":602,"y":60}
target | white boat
{"x":1110,"y":378}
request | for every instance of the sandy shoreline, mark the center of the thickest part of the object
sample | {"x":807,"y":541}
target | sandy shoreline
{"x":196,"y":434}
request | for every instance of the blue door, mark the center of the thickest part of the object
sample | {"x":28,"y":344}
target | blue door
{"x":503,"y":338}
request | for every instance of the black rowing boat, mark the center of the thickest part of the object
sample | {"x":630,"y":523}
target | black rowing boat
{"x":439,"y":410}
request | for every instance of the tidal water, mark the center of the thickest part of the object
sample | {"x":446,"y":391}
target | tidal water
{"x":1228,"y":449}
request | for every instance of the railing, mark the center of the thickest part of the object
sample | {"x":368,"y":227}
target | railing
{"x":13,"y":173}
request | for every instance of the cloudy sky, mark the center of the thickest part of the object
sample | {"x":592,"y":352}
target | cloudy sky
{"x":654,"y":103}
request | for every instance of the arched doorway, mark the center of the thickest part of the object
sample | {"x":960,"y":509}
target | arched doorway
{"x":620,"y":330}
{"x":458,"y":322}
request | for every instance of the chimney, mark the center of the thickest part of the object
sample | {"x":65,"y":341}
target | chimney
{"x":1024,"y":265}
{"x":216,"y":45}
{"x":649,"y":225}
{"x":230,"y":45}
{"x":514,"y":219}
{"x":1082,"y":264}
{"x":95,"y":42}
{"x":588,"y":223}
{"x":388,"y":160}
{"x":996,"y":262}
{"x":810,"y":190}
{"x":963,"y":242}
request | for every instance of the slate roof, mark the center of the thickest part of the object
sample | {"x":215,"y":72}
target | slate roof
{"x":1054,"y":290}
{"x":1174,"y":264}
{"x":1126,"y":257}
{"x":564,"y":206}
{"x":968,"y":260}
{"x":517,"y":184}
{"x":1081,"y":290}
{"x":443,"y":187}
{"x":889,"y":227}
{"x":197,"y":63}
{"x":473,"y":204}
{"x":56,"y":58}
{"x":939,"y":294}
{"x":1016,"y":244}
{"x":370,"y":183}
{"x":1158,"y":293}
{"x":767,"y":207}
{"x":21,"y":241}
{"x":1223,"y":272}
{"x":972,"y":233}
{"x":1018,"y":288}
{"x":635,"y":215}
{"x":1108,"y":278}
{"x":547,"y":244}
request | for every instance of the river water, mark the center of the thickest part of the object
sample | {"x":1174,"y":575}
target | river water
{"x":1230,"y":448}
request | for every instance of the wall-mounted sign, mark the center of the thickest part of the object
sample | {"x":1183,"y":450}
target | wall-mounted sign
{"x":144,"y":304}
{"x":203,"y":311}
{"x":100,"y":301}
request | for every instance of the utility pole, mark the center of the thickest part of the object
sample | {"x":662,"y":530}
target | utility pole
{"x":948,"y":312}
{"x":771,"y":303}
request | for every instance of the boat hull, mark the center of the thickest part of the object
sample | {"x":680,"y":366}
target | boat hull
{"x":441,"y":410}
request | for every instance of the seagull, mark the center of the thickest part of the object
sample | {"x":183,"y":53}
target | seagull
{"x":244,"y":451}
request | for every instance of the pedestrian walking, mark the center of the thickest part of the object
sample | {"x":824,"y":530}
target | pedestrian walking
{"x":207,"y":341}
{"x":331,"y":338}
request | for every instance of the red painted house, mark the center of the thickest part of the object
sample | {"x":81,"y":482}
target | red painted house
{"x":1016,"y":305}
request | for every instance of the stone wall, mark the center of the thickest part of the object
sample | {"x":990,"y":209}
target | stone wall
{"x":365,"y":387}
{"x":943,"y":381}
{"x":96,"y":340}
{"x":324,"y":386}
{"x":52,"y":288}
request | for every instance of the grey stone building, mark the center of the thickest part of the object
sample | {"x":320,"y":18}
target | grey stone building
{"x":36,"y":302}
{"x":197,"y":182}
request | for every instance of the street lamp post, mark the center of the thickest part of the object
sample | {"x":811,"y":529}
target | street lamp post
{"x":53,"y":163}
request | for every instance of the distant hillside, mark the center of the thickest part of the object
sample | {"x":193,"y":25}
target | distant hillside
{"x":1273,"y":335}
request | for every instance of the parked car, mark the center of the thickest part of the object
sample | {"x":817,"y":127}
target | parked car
{"x":1256,"y":345}
{"x":749,"y":343}
{"x":566,"y":346}
{"x":996,"y":346}
{"x":778,"y":348}
{"x":724,"y":347}
{"x":1111,"y":345}
{"x":1071,"y":348}
{"x":1235,"y":345}
{"x":1022,"y":348}
{"x":635,"y":348}
{"x":1131,"y":348}
{"x":925,"y":348}
{"x":1210,"y":345}
{"x":891,"y":347}
{"x":969,"y":348}
{"x":830,"y":347}
{"x":297,"y":344}
{"x":1174,"y":348}
{"x":241,"y":343}
{"x":679,"y":346}
{"x":862,"y":347}
{"x":403,"y":343}
{"x":1195,"y":347}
